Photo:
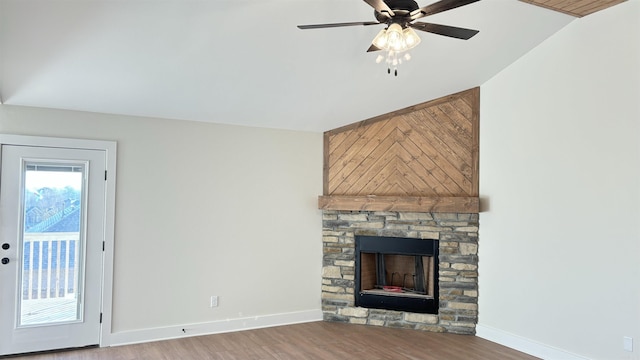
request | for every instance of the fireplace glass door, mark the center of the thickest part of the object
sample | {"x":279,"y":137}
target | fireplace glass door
{"x":397,"y":273}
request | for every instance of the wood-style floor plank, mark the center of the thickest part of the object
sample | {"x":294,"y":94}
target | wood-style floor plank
{"x":309,"y":341}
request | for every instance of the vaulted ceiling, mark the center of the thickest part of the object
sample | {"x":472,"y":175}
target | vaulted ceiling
{"x":245,"y":62}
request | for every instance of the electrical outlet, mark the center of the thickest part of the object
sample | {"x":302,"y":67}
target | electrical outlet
{"x":214,"y":301}
{"x":627,"y":343}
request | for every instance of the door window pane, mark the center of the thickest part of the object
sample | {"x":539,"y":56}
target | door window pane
{"x":51,"y":244}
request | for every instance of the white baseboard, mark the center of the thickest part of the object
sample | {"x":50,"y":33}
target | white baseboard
{"x":213,"y":327}
{"x":525,"y":345}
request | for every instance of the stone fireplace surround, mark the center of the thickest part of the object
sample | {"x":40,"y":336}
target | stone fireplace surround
{"x":458,"y":261}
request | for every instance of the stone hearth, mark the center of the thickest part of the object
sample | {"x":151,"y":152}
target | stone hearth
{"x":458,"y":267}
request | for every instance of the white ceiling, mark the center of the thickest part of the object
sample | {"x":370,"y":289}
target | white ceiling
{"x":244,"y":62}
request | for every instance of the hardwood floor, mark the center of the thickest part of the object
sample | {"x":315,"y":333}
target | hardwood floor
{"x":316,"y":340}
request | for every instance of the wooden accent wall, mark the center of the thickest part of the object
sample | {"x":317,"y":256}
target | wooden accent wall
{"x":578,"y":8}
{"x":422,"y":158}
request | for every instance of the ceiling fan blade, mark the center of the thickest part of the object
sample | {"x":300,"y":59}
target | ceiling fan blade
{"x":450,"y":31}
{"x":438,"y":7}
{"x":320,"y":26}
{"x":381,"y":7}
{"x":373,"y":48}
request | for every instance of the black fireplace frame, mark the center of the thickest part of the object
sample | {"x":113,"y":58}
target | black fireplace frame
{"x":396,"y":246}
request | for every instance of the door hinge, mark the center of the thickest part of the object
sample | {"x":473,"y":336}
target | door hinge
{"x":103,"y":246}
{"x":105,"y":175}
{"x":100,"y":318}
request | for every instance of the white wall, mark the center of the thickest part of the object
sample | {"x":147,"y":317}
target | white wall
{"x":201,"y":210}
{"x":560,"y":174}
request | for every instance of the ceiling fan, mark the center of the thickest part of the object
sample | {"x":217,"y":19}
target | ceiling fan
{"x":400,"y":18}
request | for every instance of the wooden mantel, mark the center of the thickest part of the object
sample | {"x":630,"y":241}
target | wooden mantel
{"x":423,"y":158}
{"x":400,"y":203}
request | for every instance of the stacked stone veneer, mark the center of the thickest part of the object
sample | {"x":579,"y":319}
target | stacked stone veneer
{"x":458,"y":273}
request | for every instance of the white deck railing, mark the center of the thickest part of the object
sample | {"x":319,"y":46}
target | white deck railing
{"x":50,"y":265}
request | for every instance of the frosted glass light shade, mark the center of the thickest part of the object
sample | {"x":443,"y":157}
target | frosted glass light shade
{"x":381,"y":41}
{"x":395,"y":37}
{"x":411,"y":39}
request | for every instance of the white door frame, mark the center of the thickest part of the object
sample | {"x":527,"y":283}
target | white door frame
{"x":109,"y":147}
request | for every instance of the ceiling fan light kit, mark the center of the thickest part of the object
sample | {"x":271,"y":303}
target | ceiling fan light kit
{"x":399,"y":35}
{"x":394,"y":38}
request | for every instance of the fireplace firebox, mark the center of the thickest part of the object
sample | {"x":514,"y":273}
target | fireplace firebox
{"x":396,"y":274}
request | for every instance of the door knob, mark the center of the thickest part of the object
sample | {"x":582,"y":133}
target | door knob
{"x":6,"y":246}
{"x":5,"y":261}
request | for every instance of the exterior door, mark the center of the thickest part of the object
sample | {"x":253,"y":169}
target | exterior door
{"x":52,"y":218}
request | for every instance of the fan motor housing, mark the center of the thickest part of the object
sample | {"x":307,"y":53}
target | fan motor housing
{"x":400,"y":7}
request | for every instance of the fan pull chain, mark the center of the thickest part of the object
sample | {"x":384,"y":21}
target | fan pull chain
{"x":393,"y":61}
